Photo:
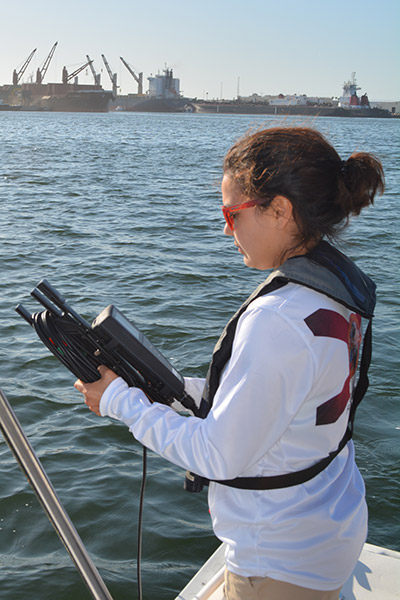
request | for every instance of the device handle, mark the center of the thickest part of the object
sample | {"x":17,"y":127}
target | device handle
{"x":45,"y":302}
{"x":21,"y":310}
{"x":51,"y":292}
{"x":55,"y":296}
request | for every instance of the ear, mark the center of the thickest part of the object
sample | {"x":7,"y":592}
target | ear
{"x":282,"y":210}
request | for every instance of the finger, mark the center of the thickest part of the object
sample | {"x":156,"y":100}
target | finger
{"x":94,"y":409}
{"x":102,"y":369}
{"x":107,"y":374}
{"x":80,"y":386}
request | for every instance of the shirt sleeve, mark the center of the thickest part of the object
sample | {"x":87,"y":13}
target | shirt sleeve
{"x":194,"y":386}
{"x":267,"y":379}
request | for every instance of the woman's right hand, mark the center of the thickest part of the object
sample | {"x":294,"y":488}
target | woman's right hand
{"x":94,"y":391}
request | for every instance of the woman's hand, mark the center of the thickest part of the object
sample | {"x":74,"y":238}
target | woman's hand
{"x":94,"y":391}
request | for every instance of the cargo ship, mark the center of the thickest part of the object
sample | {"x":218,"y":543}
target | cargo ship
{"x":163,"y":95}
{"x":264,"y":108}
{"x":58,"y":97}
{"x":348,"y":105}
{"x":66,"y":96}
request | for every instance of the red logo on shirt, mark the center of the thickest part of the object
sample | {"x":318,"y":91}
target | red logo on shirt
{"x":328,"y":323}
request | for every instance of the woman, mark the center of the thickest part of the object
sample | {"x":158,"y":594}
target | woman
{"x":285,"y":493}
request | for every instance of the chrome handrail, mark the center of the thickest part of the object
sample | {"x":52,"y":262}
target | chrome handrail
{"x":41,"y":485}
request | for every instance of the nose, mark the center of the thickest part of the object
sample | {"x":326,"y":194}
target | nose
{"x":228,"y":230}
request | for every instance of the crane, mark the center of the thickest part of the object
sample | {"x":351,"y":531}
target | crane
{"x":17,"y":76}
{"x":137,"y":78}
{"x":66,"y":77}
{"x":40,"y":73}
{"x":113,"y":76}
{"x":96,"y":76}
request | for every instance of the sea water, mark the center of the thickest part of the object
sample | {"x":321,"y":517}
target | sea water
{"x":125,"y":209}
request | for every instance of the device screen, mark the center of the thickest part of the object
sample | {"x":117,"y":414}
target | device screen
{"x":131,"y":329}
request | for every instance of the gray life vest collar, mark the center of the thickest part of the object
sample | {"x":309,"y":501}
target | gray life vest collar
{"x":328,"y":271}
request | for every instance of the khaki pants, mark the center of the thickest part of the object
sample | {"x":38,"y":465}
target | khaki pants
{"x":264,"y":588}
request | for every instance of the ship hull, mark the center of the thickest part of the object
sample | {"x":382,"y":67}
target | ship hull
{"x":85,"y":101}
{"x":261,"y":108}
{"x":57,"y":97}
{"x":133,"y":103}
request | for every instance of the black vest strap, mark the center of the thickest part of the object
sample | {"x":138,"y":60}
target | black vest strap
{"x":274,"y":482}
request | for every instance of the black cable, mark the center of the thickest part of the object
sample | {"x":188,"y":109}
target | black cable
{"x":80,"y":352}
{"x":140,"y":524}
{"x":62,"y":337}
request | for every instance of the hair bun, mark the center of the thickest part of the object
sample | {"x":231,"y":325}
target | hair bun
{"x":363,"y":177}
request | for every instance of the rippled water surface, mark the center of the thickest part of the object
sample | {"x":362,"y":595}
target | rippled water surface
{"x":124,"y":209}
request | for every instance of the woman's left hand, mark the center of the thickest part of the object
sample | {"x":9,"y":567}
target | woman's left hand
{"x":94,"y":391}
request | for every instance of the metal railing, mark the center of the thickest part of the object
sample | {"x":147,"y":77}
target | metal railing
{"x":41,"y":485}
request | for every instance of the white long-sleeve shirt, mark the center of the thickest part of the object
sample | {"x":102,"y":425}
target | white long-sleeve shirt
{"x":290,"y":356}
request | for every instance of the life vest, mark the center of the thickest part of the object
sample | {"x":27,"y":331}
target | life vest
{"x":328,"y":271}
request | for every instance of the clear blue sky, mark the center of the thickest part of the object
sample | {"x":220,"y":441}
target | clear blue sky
{"x":268,"y":47}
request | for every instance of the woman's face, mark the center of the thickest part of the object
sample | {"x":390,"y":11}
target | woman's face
{"x":261,"y":236}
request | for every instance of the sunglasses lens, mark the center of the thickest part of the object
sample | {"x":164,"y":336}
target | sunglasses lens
{"x":228,"y":217}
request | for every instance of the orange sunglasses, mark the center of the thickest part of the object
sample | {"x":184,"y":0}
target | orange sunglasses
{"x":229,"y":211}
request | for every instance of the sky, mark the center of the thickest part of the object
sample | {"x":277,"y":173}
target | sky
{"x":217,"y":48}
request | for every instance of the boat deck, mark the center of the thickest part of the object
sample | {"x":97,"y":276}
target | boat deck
{"x":376,"y":577}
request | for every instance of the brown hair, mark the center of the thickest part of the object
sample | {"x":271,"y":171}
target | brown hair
{"x":300,"y":164}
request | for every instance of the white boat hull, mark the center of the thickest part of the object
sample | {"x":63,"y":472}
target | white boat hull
{"x":376,"y":577}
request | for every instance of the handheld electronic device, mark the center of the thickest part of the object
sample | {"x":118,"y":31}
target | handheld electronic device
{"x":111,"y":340}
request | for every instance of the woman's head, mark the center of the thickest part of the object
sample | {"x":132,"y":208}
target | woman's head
{"x":264,"y":236}
{"x":299,"y":164}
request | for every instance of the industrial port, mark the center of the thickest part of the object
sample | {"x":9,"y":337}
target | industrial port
{"x":163,"y":95}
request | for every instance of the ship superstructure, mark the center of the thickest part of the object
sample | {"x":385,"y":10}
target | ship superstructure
{"x":349,"y":97}
{"x":164,"y":85}
{"x":163,"y":95}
